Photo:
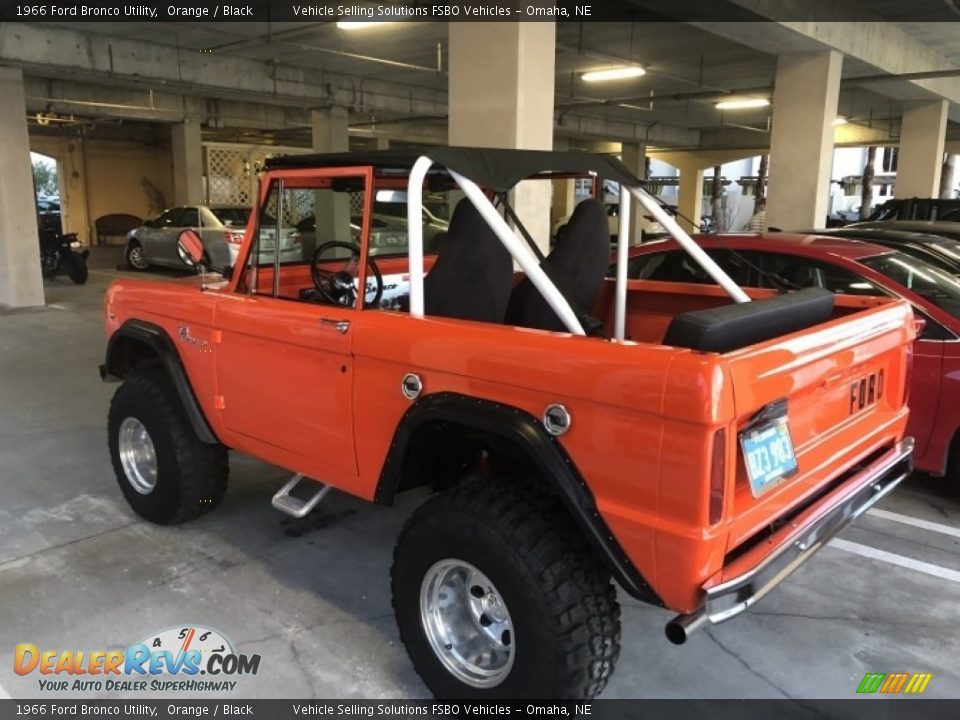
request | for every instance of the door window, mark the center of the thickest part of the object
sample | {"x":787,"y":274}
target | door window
{"x":167,"y":219}
{"x":794,"y":271}
{"x":188,"y":217}
{"x":937,"y":287}
{"x":679,"y":266}
{"x":302,"y":219}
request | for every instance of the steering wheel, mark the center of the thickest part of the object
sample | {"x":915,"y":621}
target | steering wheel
{"x":339,"y":286}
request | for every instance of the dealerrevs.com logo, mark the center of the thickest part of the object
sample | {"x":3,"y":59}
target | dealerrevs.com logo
{"x":172,"y":660}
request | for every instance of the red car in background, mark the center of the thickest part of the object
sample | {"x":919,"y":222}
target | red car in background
{"x":785,"y":261}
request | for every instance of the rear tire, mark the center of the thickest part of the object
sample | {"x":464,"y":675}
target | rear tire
{"x":135,"y":257}
{"x":76,"y":267}
{"x":166,"y":473}
{"x":492,"y":556}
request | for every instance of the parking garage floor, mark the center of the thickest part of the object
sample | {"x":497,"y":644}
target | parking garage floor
{"x":79,"y":571}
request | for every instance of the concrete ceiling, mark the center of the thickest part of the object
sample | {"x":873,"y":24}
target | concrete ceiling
{"x":689,"y":68}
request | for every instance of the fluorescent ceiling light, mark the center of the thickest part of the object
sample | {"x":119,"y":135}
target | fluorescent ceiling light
{"x":359,"y":25}
{"x":616,"y":73}
{"x":839,"y":120}
{"x":742,"y":104}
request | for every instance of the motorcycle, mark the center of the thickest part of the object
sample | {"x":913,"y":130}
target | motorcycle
{"x":58,"y":255}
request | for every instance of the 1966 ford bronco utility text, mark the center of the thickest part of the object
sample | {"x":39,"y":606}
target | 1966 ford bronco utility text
{"x":694,"y":443}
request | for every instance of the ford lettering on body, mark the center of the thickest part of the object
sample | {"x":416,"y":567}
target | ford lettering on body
{"x":866,"y":391}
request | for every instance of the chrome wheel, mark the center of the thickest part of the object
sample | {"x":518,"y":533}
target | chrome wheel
{"x":467,"y":623}
{"x":137,"y":456}
{"x":136,"y":259}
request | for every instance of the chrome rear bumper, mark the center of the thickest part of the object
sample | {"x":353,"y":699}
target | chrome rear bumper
{"x":758,"y":571}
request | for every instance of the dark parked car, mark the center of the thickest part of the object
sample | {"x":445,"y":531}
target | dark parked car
{"x":48,"y":215}
{"x":943,"y":229}
{"x":839,"y":218}
{"x":937,"y":250}
{"x":917,"y":209}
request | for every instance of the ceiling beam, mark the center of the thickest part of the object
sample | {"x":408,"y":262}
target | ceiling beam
{"x":915,"y":70}
{"x":98,"y":75}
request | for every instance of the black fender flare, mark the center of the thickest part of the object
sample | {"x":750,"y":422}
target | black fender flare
{"x":544,"y":450}
{"x":156,"y":338}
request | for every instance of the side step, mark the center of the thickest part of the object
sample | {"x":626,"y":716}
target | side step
{"x":294,"y":506}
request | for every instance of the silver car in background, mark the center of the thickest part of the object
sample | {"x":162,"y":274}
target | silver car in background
{"x":220,"y":226}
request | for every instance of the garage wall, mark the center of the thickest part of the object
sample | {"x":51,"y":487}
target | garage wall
{"x":115,"y":175}
{"x":103,"y":177}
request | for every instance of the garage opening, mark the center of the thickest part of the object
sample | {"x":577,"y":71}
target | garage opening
{"x":46,"y":189}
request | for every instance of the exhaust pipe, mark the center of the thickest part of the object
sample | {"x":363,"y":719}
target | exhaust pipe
{"x":682,"y":627}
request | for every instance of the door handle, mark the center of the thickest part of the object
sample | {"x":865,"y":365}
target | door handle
{"x":341,"y":326}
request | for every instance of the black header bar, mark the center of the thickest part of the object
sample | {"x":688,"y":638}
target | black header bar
{"x":273,"y":11}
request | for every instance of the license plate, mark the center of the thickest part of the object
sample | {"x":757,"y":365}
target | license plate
{"x":768,"y":455}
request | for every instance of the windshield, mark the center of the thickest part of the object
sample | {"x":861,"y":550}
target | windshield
{"x":232,"y":216}
{"x":937,"y":286}
{"x":949,"y":248}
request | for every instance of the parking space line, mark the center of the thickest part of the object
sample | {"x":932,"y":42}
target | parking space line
{"x":894,"y":559}
{"x":916,"y":522}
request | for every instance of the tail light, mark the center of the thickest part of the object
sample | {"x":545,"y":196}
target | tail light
{"x":234,"y":237}
{"x":718,"y":475}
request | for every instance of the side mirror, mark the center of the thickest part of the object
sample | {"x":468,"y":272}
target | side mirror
{"x":919,"y":324}
{"x":190,"y":249}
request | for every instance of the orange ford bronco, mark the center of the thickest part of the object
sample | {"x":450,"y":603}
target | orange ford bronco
{"x":694,"y":443}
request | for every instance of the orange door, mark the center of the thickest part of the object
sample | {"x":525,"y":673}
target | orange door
{"x":284,"y":370}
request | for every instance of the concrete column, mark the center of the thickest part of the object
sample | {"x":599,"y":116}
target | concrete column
{"x":920,"y":160}
{"x":690,"y":196}
{"x":331,"y":132}
{"x":383,"y":142}
{"x":187,"y":153}
{"x":564,"y":191}
{"x":506,"y":101}
{"x":21,"y":284}
{"x":947,"y":176}
{"x":805,"y":98}
{"x":634,"y":156}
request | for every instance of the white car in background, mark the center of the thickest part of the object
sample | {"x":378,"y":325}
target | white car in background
{"x":221,"y":227}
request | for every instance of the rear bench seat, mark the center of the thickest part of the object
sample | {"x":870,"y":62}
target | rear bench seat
{"x":731,"y":327}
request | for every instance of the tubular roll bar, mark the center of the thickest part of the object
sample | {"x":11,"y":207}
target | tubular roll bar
{"x":528,"y":261}
{"x":687,"y":243}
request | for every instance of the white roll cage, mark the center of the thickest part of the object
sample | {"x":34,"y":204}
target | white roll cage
{"x":529,"y":263}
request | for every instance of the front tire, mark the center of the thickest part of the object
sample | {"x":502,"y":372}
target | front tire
{"x":497,"y":595}
{"x":166,"y":473}
{"x":135,"y":257}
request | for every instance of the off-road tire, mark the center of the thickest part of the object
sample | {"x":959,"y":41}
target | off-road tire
{"x":191,"y":474}
{"x":75,"y":267}
{"x":137,"y":262}
{"x":562,"y":604}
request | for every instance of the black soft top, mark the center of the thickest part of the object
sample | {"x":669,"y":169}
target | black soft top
{"x":496,"y":168}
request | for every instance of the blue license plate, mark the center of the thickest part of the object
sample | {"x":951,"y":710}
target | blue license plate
{"x":768,"y":455}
